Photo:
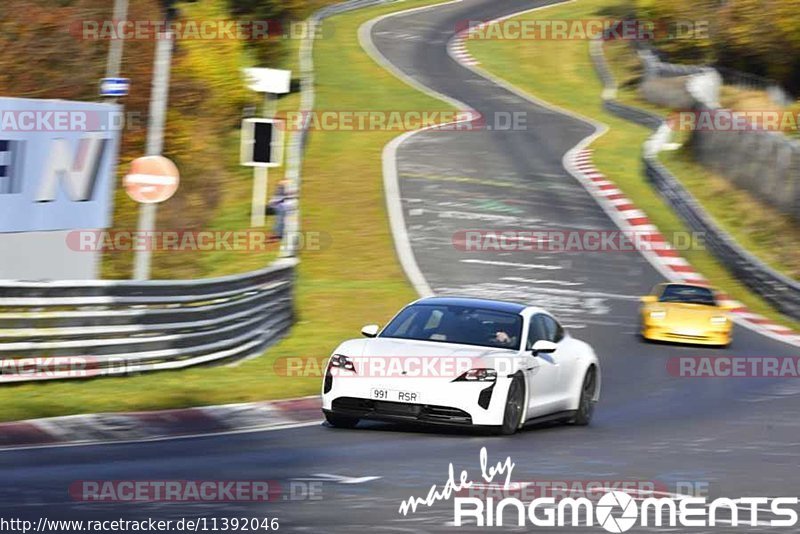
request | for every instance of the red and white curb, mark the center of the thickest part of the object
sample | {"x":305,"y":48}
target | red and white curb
{"x":628,"y":217}
{"x":634,"y":220}
{"x":457,"y":48}
{"x":158,"y":425}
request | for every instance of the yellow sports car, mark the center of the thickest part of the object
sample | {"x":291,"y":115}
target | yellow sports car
{"x":685,"y":313}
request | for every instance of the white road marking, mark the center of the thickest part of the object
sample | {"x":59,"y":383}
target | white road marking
{"x":574,"y":292}
{"x":530,"y":281}
{"x":513,"y":264}
{"x":340,"y":479}
{"x":266,"y":428}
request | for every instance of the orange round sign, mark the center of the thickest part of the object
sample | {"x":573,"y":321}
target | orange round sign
{"x":151,"y":179}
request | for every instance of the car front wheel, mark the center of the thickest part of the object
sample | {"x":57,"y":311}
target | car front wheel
{"x":514,"y":407}
{"x":586,"y":405}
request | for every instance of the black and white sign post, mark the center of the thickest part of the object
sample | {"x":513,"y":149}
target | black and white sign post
{"x":262,"y":139}
{"x":155,"y":142}
{"x":112,"y":86}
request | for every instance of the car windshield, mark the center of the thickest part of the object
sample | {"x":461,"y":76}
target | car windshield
{"x":457,"y":324}
{"x":688,"y":294}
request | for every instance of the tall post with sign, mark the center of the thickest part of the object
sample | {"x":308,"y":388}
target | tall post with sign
{"x":112,"y":86}
{"x":155,"y":143}
{"x":262,"y":139}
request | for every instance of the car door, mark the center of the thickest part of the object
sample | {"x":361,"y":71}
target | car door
{"x":565,"y":359}
{"x":545,"y":395}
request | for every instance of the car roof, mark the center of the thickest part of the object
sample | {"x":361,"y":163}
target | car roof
{"x":688,"y":284}
{"x":486,"y":304}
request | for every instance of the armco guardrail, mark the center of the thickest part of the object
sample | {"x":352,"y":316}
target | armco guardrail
{"x":779,"y":290}
{"x":77,"y":329}
{"x":52,"y":330}
{"x":639,"y":116}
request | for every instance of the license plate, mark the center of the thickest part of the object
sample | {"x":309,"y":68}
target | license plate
{"x":688,"y":332}
{"x":394,"y":395}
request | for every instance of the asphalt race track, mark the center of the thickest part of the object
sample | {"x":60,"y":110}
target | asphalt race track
{"x":740,"y":436}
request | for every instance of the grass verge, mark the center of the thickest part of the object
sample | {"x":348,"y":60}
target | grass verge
{"x":772,"y":236}
{"x":561,"y":72}
{"x":760,"y":228}
{"x":355,"y":280}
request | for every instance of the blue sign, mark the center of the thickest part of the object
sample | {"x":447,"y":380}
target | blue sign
{"x":114,"y":86}
{"x":57,"y":164}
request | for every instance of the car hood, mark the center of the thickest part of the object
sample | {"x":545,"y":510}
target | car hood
{"x":683,"y":313}
{"x":403,"y":354}
{"x":384,"y":346}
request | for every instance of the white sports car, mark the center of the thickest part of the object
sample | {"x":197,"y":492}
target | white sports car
{"x":463,"y":361}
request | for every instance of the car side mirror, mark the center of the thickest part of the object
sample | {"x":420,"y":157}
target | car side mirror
{"x":370,"y":330}
{"x":543,"y":347}
{"x":649,"y":299}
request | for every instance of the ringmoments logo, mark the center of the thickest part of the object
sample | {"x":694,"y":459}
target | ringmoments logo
{"x":616,"y":500}
{"x":614,"y":511}
{"x":617,"y":511}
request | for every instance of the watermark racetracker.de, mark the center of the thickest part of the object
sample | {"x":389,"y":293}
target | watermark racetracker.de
{"x":573,"y":240}
{"x":396,"y":366}
{"x":190,"y":240}
{"x":446,"y":120}
{"x":198,"y":29}
{"x":734,"y":121}
{"x":542,"y":29}
{"x":142,"y":491}
{"x":734,"y":366}
{"x":69,"y":120}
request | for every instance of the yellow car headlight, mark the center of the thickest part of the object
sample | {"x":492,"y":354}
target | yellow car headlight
{"x":658,"y":314}
{"x":719,"y":320}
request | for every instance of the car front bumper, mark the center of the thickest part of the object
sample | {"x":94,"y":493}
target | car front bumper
{"x":678,"y":335}
{"x":437,"y":402}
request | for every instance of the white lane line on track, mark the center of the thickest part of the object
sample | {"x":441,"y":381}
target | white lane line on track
{"x":576,"y":292}
{"x":471,"y":215}
{"x":516,"y":265}
{"x":530,"y":281}
{"x":267,"y":428}
{"x":341,"y":479}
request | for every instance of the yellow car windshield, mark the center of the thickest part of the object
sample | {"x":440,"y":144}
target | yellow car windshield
{"x":688,"y":295}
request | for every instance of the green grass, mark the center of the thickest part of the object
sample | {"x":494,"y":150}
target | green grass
{"x":561,"y":72}
{"x":354,"y":281}
{"x":761,"y":229}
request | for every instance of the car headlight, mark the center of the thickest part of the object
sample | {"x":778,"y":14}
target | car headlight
{"x":719,"y":319}
{"x":658,"y":314}
{"x":478,"y":375}
{"x":342,"y":362}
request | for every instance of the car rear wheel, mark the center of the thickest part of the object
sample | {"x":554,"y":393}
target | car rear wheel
{"x":341,"y":421}
{"x":514,"y":407}
{"x":586,"y":405}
